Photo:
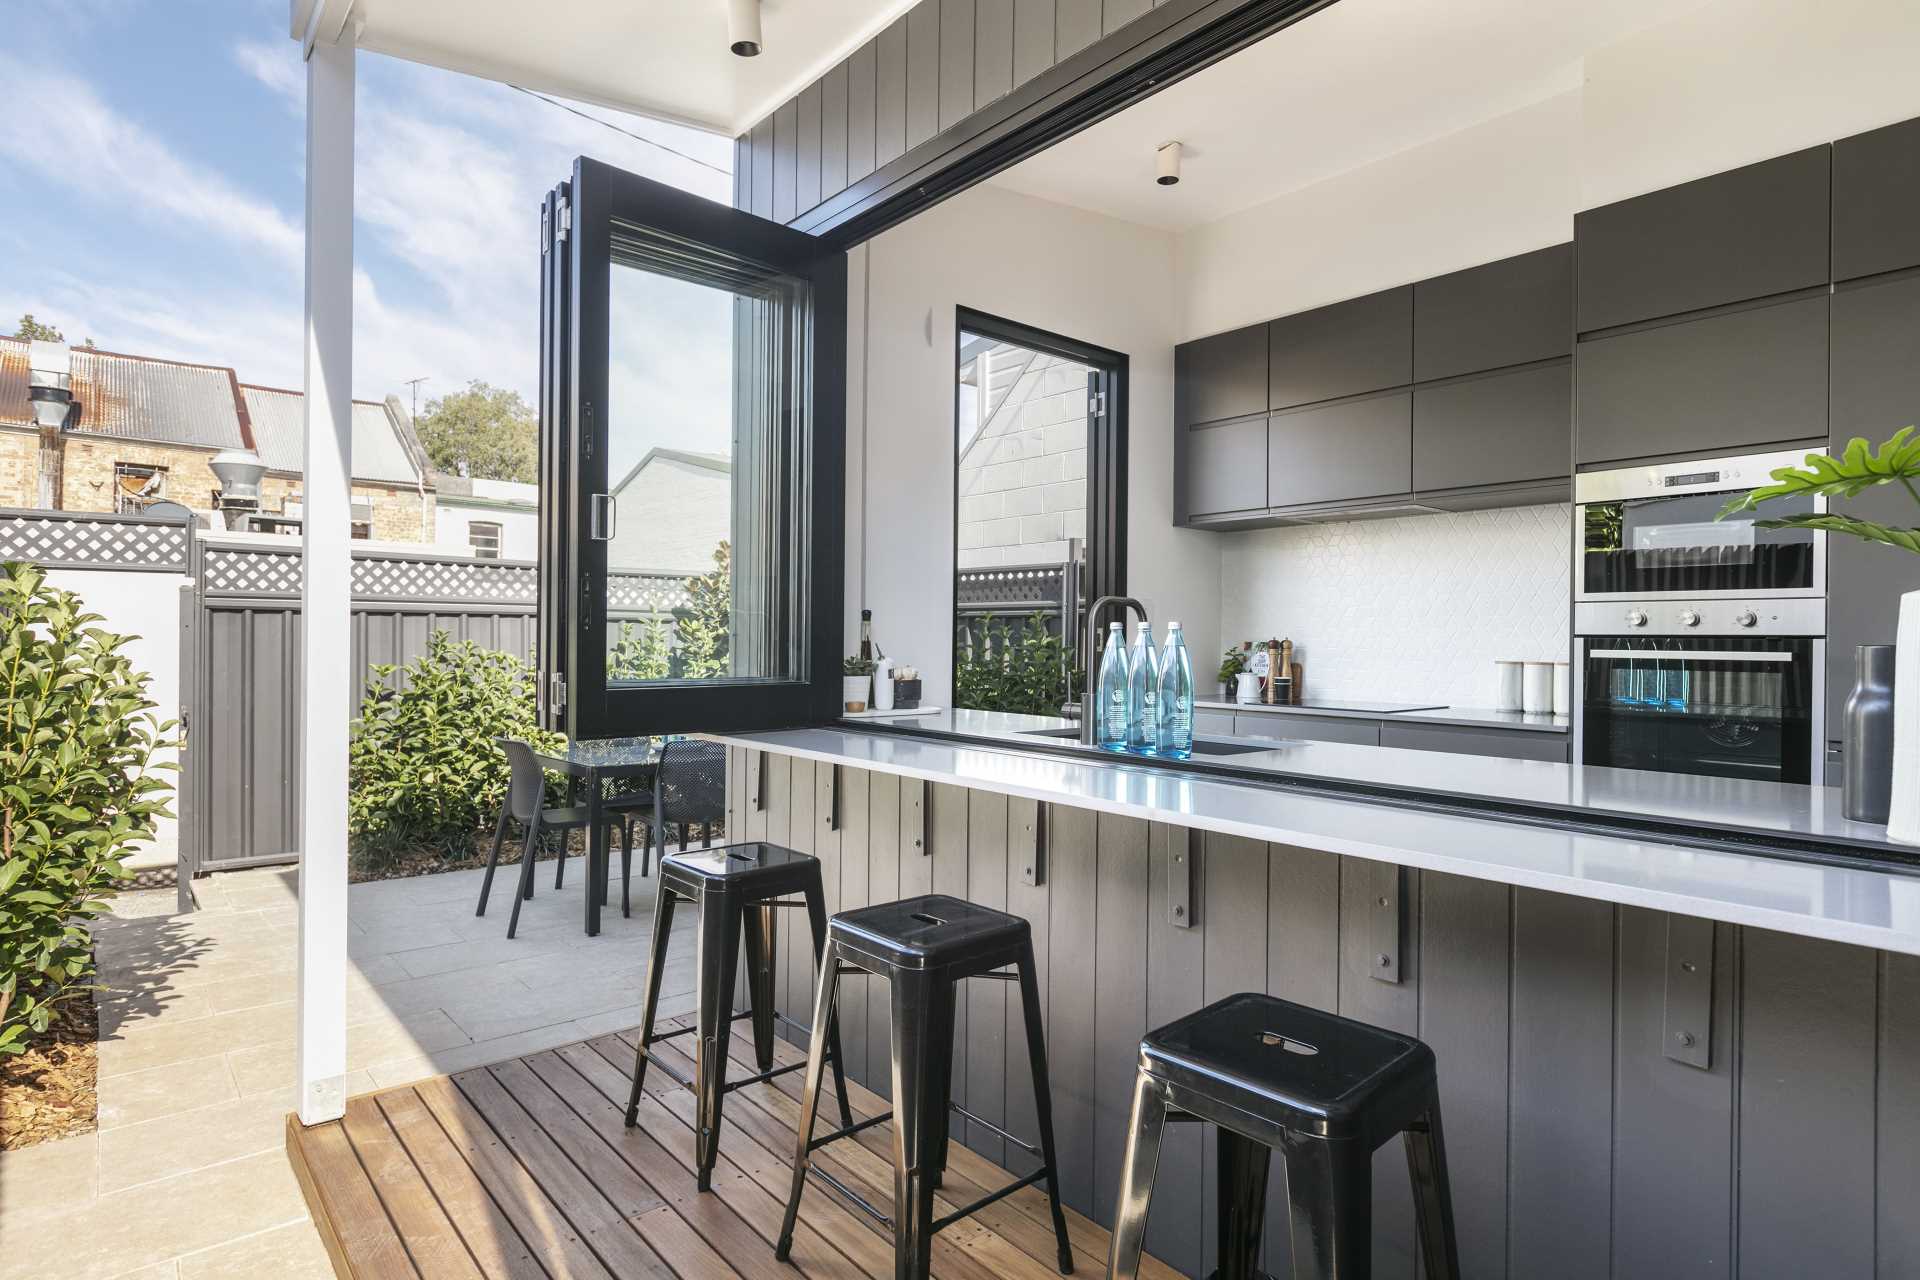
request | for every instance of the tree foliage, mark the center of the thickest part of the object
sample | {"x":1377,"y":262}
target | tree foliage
{"x":484,"y":432}
{"x":641,"y":652}
{"x":33,"y":331}
{"x":1858,"y":468}
{"x":78,"y":737}
{"x":705,"y":624}
{"x":1001,"y":669}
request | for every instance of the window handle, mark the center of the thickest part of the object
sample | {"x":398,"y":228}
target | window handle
{"x":600,"y":511}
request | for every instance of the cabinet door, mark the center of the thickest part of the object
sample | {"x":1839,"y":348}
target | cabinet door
{"x":1333,"y":452}
{"x":1514,"y":311}
{"x":1507,"y":744}
{"x":1212,"y":722}
{"x":1226,"y":467}
{"x":1721,"y":384}
{"x":1224,"y":376}
{"x":1876,"y":391}
{"x":1876,"y":201}
{"x":1495,"y":428}
{"x":1285,"y":724}
{"x":1363,"y":344}
{"x":1746,"y":233}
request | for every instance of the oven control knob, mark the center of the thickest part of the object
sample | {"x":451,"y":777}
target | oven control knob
{"x":1688,"y":618}
{"x":1746,"y":618}
{"x":1636,"y":618}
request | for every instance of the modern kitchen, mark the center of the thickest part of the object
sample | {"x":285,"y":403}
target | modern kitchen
{"x":1447,"y":464}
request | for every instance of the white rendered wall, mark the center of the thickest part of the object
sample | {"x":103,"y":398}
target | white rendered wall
{"x":519,"y":529}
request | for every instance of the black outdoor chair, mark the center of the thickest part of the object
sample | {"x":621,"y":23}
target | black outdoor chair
{"x":526,"y":804}
{"x":689,"y":786}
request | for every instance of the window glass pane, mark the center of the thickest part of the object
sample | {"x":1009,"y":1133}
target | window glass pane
{"x":706,"y":463}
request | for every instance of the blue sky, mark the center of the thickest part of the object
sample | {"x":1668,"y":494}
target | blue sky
{"x":154,"y":190}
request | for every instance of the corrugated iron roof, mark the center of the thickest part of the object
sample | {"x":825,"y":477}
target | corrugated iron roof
{"x":279,"y":433}
{"x":136,"y":397}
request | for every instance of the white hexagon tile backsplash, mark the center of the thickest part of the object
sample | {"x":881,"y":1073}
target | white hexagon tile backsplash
{"x":1415,"y":608}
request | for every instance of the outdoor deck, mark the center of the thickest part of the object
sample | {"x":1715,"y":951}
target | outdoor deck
{"x":524,"y":1169}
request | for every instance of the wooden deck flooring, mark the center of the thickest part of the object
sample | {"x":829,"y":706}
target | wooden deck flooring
{"x":524,"y":1169}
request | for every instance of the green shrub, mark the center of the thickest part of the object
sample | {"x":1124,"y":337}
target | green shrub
{"x":705,"y":624}
{"x":423,"y":772}
{"x":640,"y":652}
{"x":1000,"y":669}
{"x":78,"y":735}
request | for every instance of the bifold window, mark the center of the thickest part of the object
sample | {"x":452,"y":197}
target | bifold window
{"x":484,"y":537}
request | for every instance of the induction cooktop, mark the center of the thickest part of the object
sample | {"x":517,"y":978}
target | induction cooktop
{"x":1372,"y":708}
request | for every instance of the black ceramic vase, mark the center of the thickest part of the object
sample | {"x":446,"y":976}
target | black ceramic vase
{"x":1867,"y":788}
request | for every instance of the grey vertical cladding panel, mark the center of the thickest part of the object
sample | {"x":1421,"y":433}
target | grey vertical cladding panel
{"x":271,"y":671}
{"x":1176,"y":986}
{"x":1465,"y":962}
{"x":1076,"y":25}
{"x":1072,"y":924}
{"x":786,"y":160}
{"x":1033,"y":24}
{"x":1396,"y":1007}
{"x":833,"y":131}
{"x":890,"y":93}
{"x":1303,"y":965}
{"x":950,"y":823}
{"x":992,"y":50}
{"x":916,"y":861}
{"x":760,"y":147}
{"x":828,"y":840}
{"x":1806,"y":1098}
{"x":742,"y":172}
{"x":956,"y":61}
{"x":1120,"y":994}
{"x":923,"y":72}
{"x":985,"y":1000}
{"x":1673,"y":1125}
{"x":862,"y":105}
{"x":856,"y":853}
{"x":807,"y":148}
{"x":790,"y":823}
{"x":1028,"y":901}
{"x":1897,"y":1171}
{"x":1560,"y":1078}
{"x":883,"y":885}
{"x":1233,"y":920}
{"x":1115,"y":14}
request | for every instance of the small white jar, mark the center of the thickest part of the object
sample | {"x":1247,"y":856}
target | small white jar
{"x":1509,"y":684}
{"x":1537,"y":694}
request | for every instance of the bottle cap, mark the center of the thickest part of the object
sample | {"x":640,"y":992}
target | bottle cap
{"x":1173,"y":626}
{"x":1116,"y":626}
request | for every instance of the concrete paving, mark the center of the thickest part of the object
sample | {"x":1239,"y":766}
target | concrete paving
{"x":187,"y":1177}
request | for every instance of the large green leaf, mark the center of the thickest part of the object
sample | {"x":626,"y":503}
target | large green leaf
{"x":1859,"y":468}
{"x":1835,"y":522}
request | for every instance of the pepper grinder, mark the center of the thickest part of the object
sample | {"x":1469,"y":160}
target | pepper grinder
{"x":1286,"y":665}
{"x":1274,"y":670}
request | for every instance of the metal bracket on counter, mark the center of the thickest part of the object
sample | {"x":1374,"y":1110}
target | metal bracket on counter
{"x":1687,"y":1026}
{"x":757,"y":779}
{"x":831,"y":810}
{"x":1386,"y":919}
{"x":918,"y":797}
{"x":1033,"y":871}
{"x":1183,"y":852}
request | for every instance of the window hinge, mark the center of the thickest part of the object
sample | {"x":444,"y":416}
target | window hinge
{"x":557,"y":692}
{"x":546,"y":232}
{"x":1097,"y":405}
{"x":563,"y":220}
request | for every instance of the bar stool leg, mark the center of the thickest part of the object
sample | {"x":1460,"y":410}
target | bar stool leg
{"x":1329,"y":1207}
{"x":1043,"y":1099}
{"x":1137,"y":1166}
{"x":1242,"y":1203}
{"x":823,"y":1009}
{"x":817,"y":920}
{"x":1432,"y":1195}
{"x":918,"y":1044}
{"x":758,"y":925}
{"x":719,"y":948}
{"x":656,"y":968}
{"x":940,"y":1085}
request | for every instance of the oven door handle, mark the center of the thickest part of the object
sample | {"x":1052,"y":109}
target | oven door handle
{"x":1698,"y":655}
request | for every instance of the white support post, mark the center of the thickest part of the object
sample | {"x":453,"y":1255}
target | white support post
{"x":326,"y":589}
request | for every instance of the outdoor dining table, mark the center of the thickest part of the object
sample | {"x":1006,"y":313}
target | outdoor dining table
{"x":593,"y":762}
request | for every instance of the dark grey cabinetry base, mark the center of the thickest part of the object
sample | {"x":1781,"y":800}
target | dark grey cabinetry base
{"x":1462,"y":740}
{"x":1310,"y":728}
{"x":1576,"y":1147}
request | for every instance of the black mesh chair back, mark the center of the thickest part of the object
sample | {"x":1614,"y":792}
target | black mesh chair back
{"x":527,"y":788}
{"x":690,"y":782}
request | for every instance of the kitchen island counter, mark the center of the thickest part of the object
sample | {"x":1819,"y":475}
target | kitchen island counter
{"x":1469,"y":717}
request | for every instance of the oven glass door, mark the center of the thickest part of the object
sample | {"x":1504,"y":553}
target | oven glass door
{"x":1725,"y":706}
{"x":1645,"y":546}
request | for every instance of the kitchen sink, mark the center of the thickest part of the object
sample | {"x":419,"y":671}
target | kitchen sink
{"x":1201,"y":746}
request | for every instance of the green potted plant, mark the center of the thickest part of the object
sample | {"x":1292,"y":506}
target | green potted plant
{"x":1853,"y":471}
{"x":1231,"y":665}
{"x":856,"y":674}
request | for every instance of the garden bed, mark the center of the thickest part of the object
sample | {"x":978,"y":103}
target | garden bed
{"x":50,"y":1090}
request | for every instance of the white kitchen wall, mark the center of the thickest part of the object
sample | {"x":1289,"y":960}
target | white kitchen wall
{"x":1410,"y":609}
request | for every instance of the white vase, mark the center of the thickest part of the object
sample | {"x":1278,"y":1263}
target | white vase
{"x":1903,"y":815}
{"x":883,"y":685}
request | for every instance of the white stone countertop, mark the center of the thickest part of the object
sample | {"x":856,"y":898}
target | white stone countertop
{"x":1862,"y":904}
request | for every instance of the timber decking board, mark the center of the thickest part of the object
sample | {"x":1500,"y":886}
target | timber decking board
{"x":525,"y":1169}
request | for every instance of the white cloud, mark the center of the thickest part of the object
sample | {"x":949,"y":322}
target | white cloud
{"x":275,"y":64}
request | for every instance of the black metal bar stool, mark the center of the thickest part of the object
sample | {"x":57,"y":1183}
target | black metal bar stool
{"x":1323,"y":1091}
{"x":735,"y":889}
{"x":925,"y":947}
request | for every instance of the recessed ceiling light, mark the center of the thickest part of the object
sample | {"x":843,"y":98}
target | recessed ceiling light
{"x":743,"y":27}
{"x":1167,"y":162}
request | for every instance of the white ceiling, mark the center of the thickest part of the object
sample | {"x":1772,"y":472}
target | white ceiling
{"x":1350,"y":85}
{"x":663,"y":58}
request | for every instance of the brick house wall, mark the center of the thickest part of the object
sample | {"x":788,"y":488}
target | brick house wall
{"x":400,"y":513}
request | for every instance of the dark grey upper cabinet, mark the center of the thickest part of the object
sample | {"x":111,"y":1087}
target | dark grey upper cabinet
{"x":1743,"y":234}
{"x":1221,"y":377}
{"x":1364,"y":344}
{"x":1495,"y":428}
{"x":1514,"y":311}
{"x":1719,"y":384}
{"x":1349,"y":450}
{"x":1876,"y":201}
{"x":1226,"y":467}
{"x":1876,"y":391}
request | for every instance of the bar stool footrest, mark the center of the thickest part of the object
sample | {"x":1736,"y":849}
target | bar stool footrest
{"x":762,"y":1077}
{"x":857,"y":1126}
{"x":1028,"y":1147}
{"x":885,"y":1220}
{"x":672,"y":1074}
{"x":940,"y":1224}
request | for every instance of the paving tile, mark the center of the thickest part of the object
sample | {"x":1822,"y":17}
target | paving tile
{"x":401,"y":937}
{"x":475,"y":954}
{"x":249,"y":991}
{"x":168,"y":1270}
{"x":163,"y":1042}
{"x":49,"y":1176}
{"x":155,"y":1149}
{"x":134,"y":1097}
{"x":292,"y":1252}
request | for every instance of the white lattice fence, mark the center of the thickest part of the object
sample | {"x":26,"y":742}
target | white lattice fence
{"x":71,"y":539}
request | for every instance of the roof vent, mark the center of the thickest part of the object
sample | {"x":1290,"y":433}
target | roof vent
{"x":50,"y":385}
{"x":239,"y":472}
